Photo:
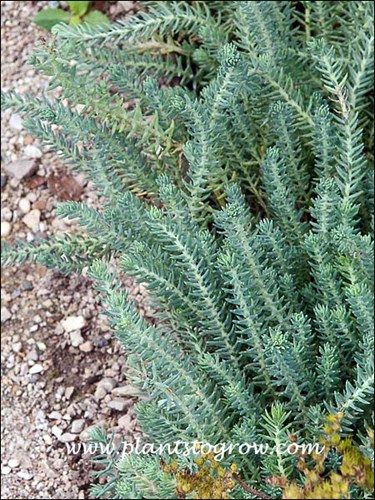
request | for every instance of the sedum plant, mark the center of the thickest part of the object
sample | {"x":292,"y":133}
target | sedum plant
{"x":79,"y":12}
{"x":231,"y":145}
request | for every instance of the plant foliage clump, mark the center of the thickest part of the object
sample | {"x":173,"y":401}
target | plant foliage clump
{"x":231,"y":143}
{"x":79,"y":12}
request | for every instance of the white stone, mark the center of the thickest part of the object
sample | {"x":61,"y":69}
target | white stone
{"x":79,"y":108}
{"x":32,"y":219}
{"x":55,"y":415}
{"x":36,"y":369}
{"x":6,"y":229}
{"x":69,"y":392}
{"x":118,"y":404}
{"x":59,"y":330}
{"x":47,"y":439}
{"x":86,"y":346}
{"x":125,"y":390}
{"x":100,"y":393}
{"x":5,"y":314}
{"x":77,"y":426}
{"x":125,"y":421}
{"x":126,"y":5}
{"x":56,"y":431}
{"x":25,"y":475}
{"x":72,"y":323}
{"x":32,"y":355}
{"x":14,"y":463}
{"x":67,"y":437}
{"x":40,"y":415}
{"x":20,"y":169}
{"x":108,"y":384}
{"x":6,"y":214}
{"x":16,"y":122}
{"x":17,"y":347}
{"x":5,"y":470}
{"x":24,"y":205}
{"x":31,"y":197}
{"x":76,"y":338}
{"x":32,"y":151}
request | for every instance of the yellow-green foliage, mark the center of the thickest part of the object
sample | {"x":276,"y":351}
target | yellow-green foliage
{"x":210,"y":480}
{"x":355,"y":468}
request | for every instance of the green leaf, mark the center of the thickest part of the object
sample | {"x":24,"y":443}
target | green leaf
{"x":79,"y":8}
{"x":75,"y":20}
{"x":47,"y":18}
{"x":95,"y":17}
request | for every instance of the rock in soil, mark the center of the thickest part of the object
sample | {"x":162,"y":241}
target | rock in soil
{"x":5,"y":314}
{"x":43,"y":376}
{"x":32,"y":151}
{"x":20,"y":169}
{"x":72,"y":323}
{"x":15,"y":122}
{"x":6,"y":229}
{"x":32,"y":220}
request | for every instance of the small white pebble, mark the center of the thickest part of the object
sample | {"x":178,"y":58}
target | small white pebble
{"x":15,"y":122}
{"x":76,"y":338}
{"x":24,"y":205}
{"x":72,"y":323}
{"x":86,"y":346}
{"x":41,"y":345}
{"x":14,"y":463}
{"x":77,"y":426}
{"x":17,"y":347}
{"x":47,"y":439}
{"x":32,"y":151}
{"x":6,"y":229}
{"x":67,"y":437}
{"x":56,"y":431}
{"x":32,"y":220}
{"x":25,"y":475}
{"x":5,"y":314}
{"x":36,"y":369}
{"x":69,"y":392}
{"x":6,"y":214}
{"x":55,"y":415}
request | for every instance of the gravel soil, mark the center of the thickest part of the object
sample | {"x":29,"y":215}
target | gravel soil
{"x":62,"y":372}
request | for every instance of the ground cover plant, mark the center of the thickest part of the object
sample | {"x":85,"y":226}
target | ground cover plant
{"x":79,"y":12}
{"x":232,"y":146}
